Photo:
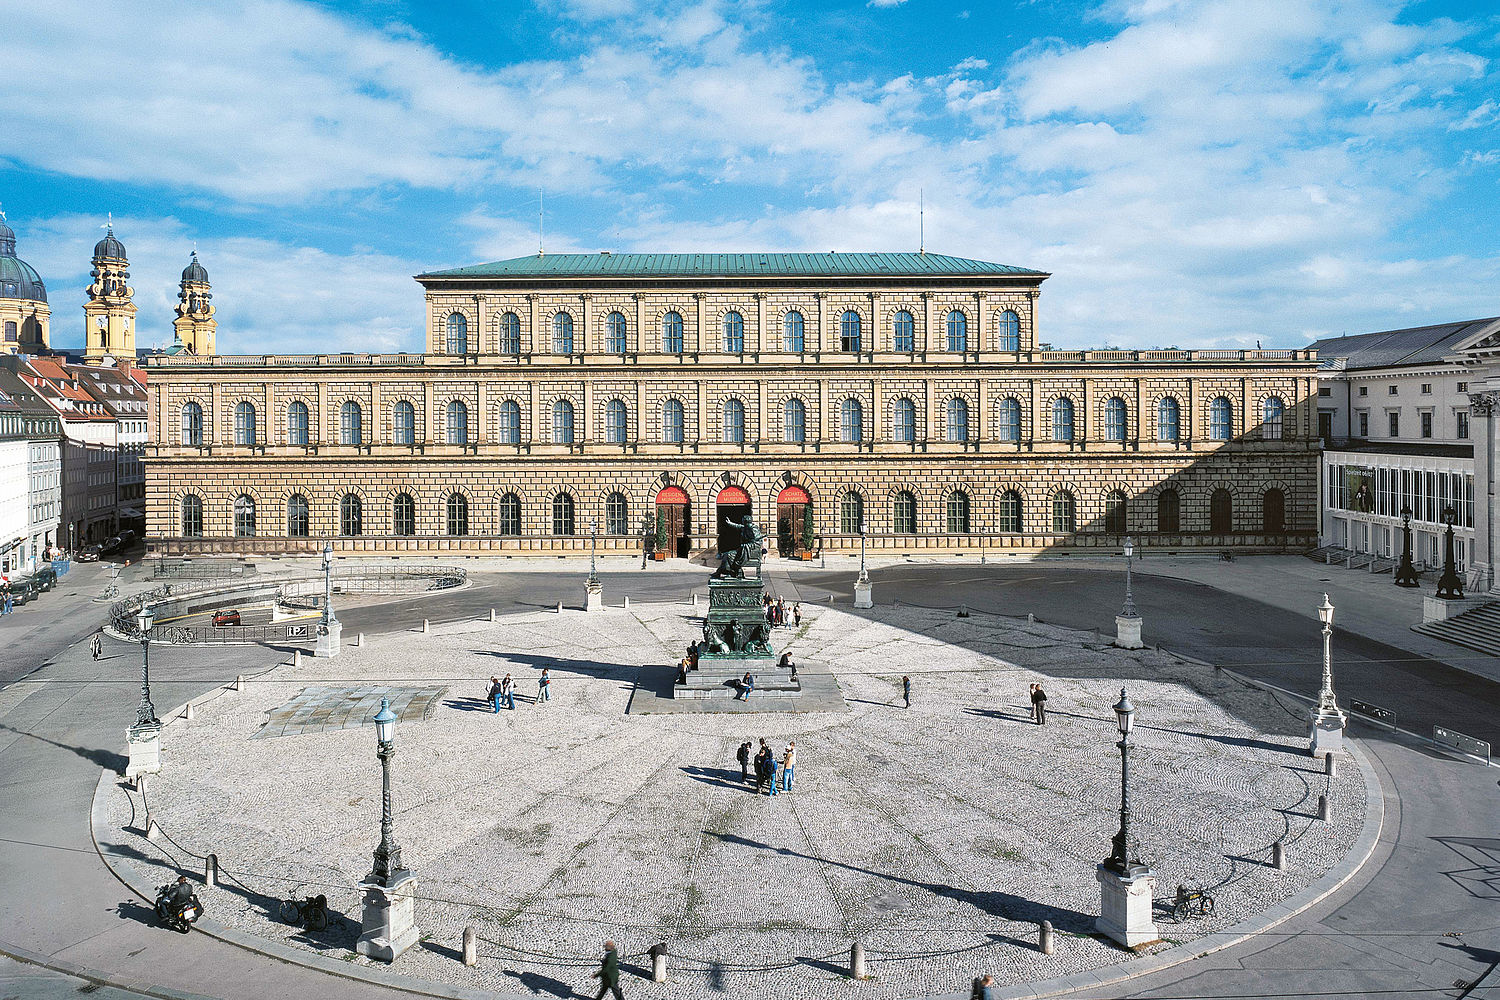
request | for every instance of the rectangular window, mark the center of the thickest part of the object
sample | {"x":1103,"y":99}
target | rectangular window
{"x":1463,"y":387}
{"x":1461,"y":421}
{"x":1392,"y":390}
{"x":1425,"y":417}
{"x":1393,"y":418}
{"x":1325,"y":391}
{"x":1364,"y":423}
{"x":1364,"y":390}
{"x":1427,"y":388}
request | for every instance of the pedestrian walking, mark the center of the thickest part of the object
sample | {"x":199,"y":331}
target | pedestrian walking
{"x":609,"y":973}
{"x":544,"y":686}
{"x":788,"y":762}
{"x":96,"y":645}
{"x":1039,"y":699}
{"x":494,"y":694}
{"x":906,"y":690}
{"x":760,"y":765}
{"x":983,"y":988}
{"x":797,"y":614}
{"x":1031,"y":697}
{"x":743,"y":756}
{"x":508,"y":692}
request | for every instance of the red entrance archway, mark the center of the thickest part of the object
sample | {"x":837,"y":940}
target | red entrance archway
{"x":733,"y":504}
{"x":792,"y":520}
{"x":674,"y":522}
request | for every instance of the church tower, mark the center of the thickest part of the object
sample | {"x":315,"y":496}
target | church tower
{"x":109,"y":314}
{"x":195,"y":324}
{"x":24,"y":314}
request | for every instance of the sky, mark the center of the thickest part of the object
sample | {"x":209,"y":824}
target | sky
{"x":1192,"y":174}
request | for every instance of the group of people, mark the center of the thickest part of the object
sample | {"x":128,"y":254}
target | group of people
{"x":770,"y":773}
{"x":1038,"y":705}
{"x":776,"y":612}
{"x":7,"y":599}
{"x":503,"y":691}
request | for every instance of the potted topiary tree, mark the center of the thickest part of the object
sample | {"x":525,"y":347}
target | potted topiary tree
{"x":657,"y":532}
{"x":809,"y":539}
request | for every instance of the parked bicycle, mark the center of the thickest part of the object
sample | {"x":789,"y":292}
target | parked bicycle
{"x":1194,"y":902}
{"x":310,"y":912}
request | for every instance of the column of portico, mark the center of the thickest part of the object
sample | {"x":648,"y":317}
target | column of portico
{"x":1482,"y":428}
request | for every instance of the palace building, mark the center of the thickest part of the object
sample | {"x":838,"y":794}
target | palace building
{"x":905,"y":396}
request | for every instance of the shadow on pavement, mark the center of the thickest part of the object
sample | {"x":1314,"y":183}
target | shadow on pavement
{"x":107,"y":759}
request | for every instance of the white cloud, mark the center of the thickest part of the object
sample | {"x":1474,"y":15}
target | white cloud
{"x":885,"y":3}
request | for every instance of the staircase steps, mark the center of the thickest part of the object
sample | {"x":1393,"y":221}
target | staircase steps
{"x":1478,"y":629}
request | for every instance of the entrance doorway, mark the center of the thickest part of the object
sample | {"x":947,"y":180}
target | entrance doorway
{"x":733,"y":505}
{"x":674,"y":522}
{"x":791,"y":520}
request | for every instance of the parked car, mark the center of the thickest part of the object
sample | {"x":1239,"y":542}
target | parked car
{"x":229,"y":616}
{"x":91,"y":553}
{"x":24,"y":591}
{"x":46,"y":578}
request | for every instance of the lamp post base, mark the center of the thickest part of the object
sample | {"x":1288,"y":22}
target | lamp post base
{"x":329,"y":640}
{"x":864,"y":594}
{"x":1327,"y":736}
{"x":1125,"y":908}
{"x":388,"y":925}
{"x":143,"y":743}
{"x":1128,"y":632}
{"x":593,"y":596}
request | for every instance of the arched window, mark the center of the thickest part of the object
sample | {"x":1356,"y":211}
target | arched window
{"x":734,"y":422}
{"x":296,"y":516}
{"x":562,"y":422}
{"x":562,"y":514}
{"x":852,"y":419}
{"x":1220,"y":419}
{"x":903,"y":332}
{"x":1168,"y":420}
{"x":671,"y":333}
{"x":1064,"y":513}
{"x":403,"y":514}
{"x":616,"y":515}
{"x":192,"y":425}
{"x":851,"y":513}
{"x":958,"y":419}
{"x":510,"y":334}
{"x":458,"y":334}
{"x":904,"y":421}
{"x":1116,"y":508}
{"x":792,"y":328}
{"x":958,"y":513}
{"x":1115,"y":422}
{"x":351,"y":423}
{"x":244,"y":423}
{"x":509,"y":430}
{"x":614,"y":333}
{"x":958,"y":331}
{"x":1273,"y":512}
{"x":1271,"y":412}
{"x":405,"y":422}
{"x":1010,"y":512}
{"x":351,"y":515}
{"x":458,"y":514}
{"x":794,"y":422}
{"x":849,"y":330}
{"x":509,"y":511}
{"x":562,"y":333}
{"x":1062,"y":419}
{"x":1220,"y":512}
{"x":734,"y":333}
{"x":616,"y":429}
{"x":296,"y":423}
{"x":1008,"y":332}
{"x":671,"y":422}
{"x":1168,"y":512}
{"x":1009,"y":425}
{"x":458,"y":422}
{"x":244,"y":517}
{"x":904,"y":513}
{"x":192,"y":516}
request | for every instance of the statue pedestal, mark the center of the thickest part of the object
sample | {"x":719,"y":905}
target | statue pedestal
{"x":1327,"y":736}
{"x":593,"y":596}
{"x":328,"y":640}
{"x":143,"y":743}
{"x":1128,"y":632}
{"x":388,"y":925}
{"x":1125,"y":908}
{"x":736,"y":627}
{"x":864,"y":594}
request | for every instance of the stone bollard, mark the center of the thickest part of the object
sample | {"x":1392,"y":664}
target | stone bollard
{"x":211,"y":870}
{"x":627,"y":602}
{"x":493,"y":616}
{"x":1330,"y":765}
{"x":152,"y":830}
{"x":857,"y":962}
{"x":471,"y":947}
{"x":239,"y":682}
{"x":658,"y":953}
{"x":296,"y":657}
{"x":359,"y":639}
{"x":1323,"y":808}
{"x":1278,"y":856}
{"x":559,"y":607}
{"x":695,"y":599}
{"x":187,"y":712}
{"x":1044,"y":938}
{"x":426,"y":626}
{"x":963,"y":611}
{"x":1030,"y":618}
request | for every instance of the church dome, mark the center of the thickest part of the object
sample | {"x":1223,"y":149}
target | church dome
{"x":195,"y":271}
{"x":18,"y":279}
{"x":110,"y":247}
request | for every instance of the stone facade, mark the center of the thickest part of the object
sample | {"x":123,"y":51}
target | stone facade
{"x":848,"y":415}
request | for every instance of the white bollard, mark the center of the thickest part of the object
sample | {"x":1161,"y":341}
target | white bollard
{"x":211,"y":870}
{"x":425,"y":626}
{"x":658,"y":953}
{"x":559,"y":607}
{"x":627,"y":602}
{"x":493,"y":616}
{"x":1323,"y":808}
{"x":359,"y":638}
{"x":152,"y":830}
{"x":1030,"y":618}
{"x":1044,"y":943}
{"x":296,"y":657}
{"x":1330,"y":765}
{"x":695,"y":599}
{"x":857,"y":962}
{"x":187,"y":712}
{"x":239,"y":682}
{"x":471,"y":947}
{"x":1278,"y":856}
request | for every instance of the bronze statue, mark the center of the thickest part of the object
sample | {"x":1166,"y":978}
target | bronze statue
{"x":732,"y":563}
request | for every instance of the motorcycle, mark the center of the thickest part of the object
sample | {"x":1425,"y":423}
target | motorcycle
{"x":176,"y":914}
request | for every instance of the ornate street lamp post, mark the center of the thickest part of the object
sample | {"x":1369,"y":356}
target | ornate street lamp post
{"x":330,"y":629}
{"x":1450,"y":587}
{"x":1406,"y":573}
{"x":1128,"y":621}
{"x":593,"y":590}
{"x":1126,"y":882}
{"x":864,"y":593}
{"x":388,"y":927}
{"x":145,"y":712}
{"x":143,"y":740}
{"x":1328,"y":721}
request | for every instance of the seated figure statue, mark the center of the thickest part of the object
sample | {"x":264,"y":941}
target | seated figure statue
{"x":732,"y":564}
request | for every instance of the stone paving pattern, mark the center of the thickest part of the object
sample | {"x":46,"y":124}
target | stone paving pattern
{"x":318,"y":708}
{"x":936,"y":835}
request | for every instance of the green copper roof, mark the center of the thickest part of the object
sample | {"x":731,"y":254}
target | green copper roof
{"x":733,"y":265}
